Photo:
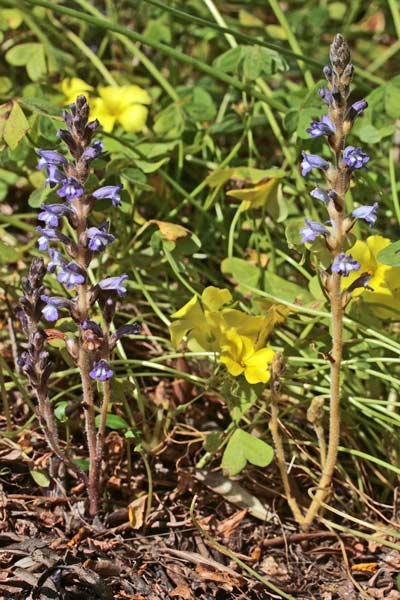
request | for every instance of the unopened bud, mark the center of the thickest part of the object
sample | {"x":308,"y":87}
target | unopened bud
{"x":339,"y":54}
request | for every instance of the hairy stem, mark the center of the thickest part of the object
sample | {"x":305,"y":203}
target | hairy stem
{"x":280,"y":458}
{"x":323,"y":490}
{"x":84,"y":368}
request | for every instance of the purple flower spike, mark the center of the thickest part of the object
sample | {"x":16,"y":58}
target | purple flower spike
{"x":101,"y":370}
{"x":114,"y":284}
{"x":345,"y":264}
{"x":323,"y":127}
{"x":110,"y":192}
{"x":51,"y":213}
{"x":53,"y":304}
{"x":325,"y":95}
{"x":312,"y":161}
{"x":70,"y":189}
{"x":368,"y":213}
{"x":99,"y":238}
{"x":355,"y":158}
{"x":312,"y":230}
{"x":71,"y":275}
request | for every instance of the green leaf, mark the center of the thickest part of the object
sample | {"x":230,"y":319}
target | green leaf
{"x":212,"y":441}
{"x":169,"y":122}
{"x":158,"y":31}
{"x":5,"y":85}
{"x":59,"y":411}
{"x":306,"y":115}
{"x":15,"y":125}
{"x":292,"y":231}
{"x":10,"y":18}
{"x":390,"y":255}
{"x":41,"y":106}
{"x":392,"y":100}
{"x":8,"y":254}
{"x":242,"y":271}
{"x":37,"y":197}
{"x":82,"y":463}
{"x":229,"y":60}
{"x":259,"y":60}
{"x":243,"y":448}
{"x":138,"y":178}
{"x":201,"y":107}
{"x":368,"y":133}
{"x":20,"y":55}
{"x":240,"y":396}
{"x":284,"y":289}
{"x":36,"y":66}
{"x":40,"y":477}
{"x":113,"y":422}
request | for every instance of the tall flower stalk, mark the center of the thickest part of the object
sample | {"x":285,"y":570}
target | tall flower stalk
{"x":335,"y":126}
{"x":93,"y":343}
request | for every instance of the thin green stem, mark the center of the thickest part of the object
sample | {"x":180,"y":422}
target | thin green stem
{"x":393,"y":185}
{"x":190,"y":18}
{"x":232,"y":229}
{"x":94,"y":59}
{"x":394,"y":9}
{"x":171,"y":52}
{"x":280,"y":15}
{"x":146,"y":62}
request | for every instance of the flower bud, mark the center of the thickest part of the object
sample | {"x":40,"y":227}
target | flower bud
{"x":339,"y":54}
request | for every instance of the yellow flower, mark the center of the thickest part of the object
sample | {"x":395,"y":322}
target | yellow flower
{"x":385,"y":280}
{"x":123,"y":105}
{"x":201,"y":321}
{"x":240,"y":356}
{"x":72,"y":87}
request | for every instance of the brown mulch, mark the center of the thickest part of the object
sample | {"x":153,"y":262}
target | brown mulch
{"x":196,"y":537}
{"x":49,"y":551}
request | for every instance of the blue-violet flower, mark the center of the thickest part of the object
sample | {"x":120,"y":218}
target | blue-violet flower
{"x":70,"y":189}
{"x":355,"y":158}
{"x":53,"y":304}
{"x":71,"y":275}
{"x":312,"y":230}
{"x":99,"y":238}
{"x":312,"y":161}
{"x":101,"y":370}
{"x":51,"y":213}
{"x":368,"y":213}
{"x":344,"y":264}
{"x":323,"y":127}
{"x":110,"y":192}
{"x":114,"y":284}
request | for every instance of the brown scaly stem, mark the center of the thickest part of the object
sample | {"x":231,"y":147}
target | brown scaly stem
{"x":84,"y":368}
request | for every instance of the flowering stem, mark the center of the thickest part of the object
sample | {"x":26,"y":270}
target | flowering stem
{"x":334,"y":414}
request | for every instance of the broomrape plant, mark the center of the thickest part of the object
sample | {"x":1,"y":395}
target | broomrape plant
{"x":239,"y":340}
{"x":91,"y":307}
{"x":353,"y":272}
